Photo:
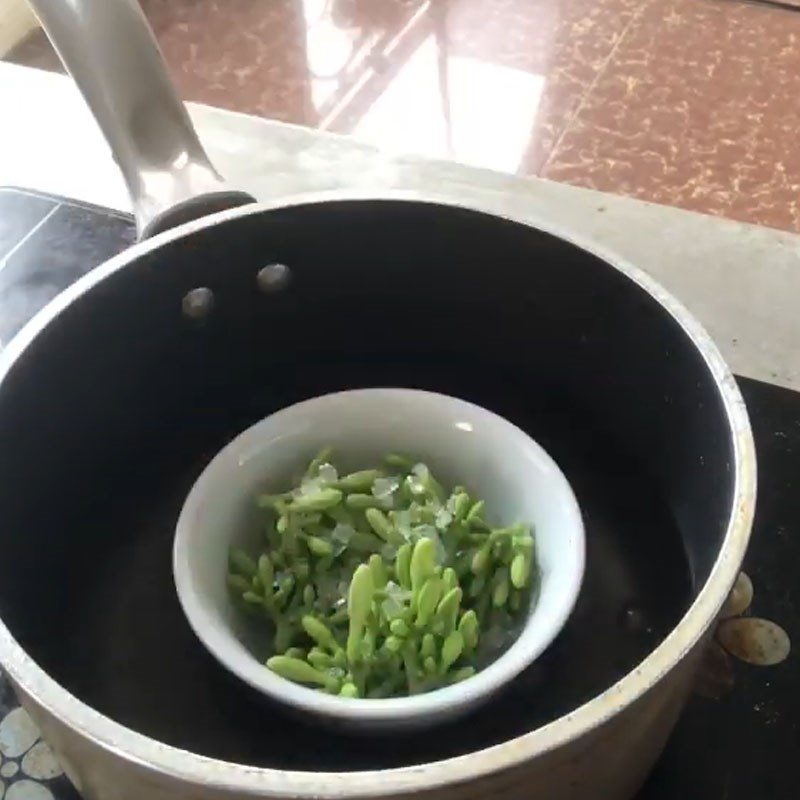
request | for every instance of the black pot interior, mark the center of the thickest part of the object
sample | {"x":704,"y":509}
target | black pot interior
{"x":118,"y":404}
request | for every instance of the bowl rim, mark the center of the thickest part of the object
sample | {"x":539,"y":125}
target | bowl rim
{"x":174,"y":764}
{"x":492,"y":678}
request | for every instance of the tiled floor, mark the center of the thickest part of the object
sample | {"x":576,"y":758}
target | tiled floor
{"x":699,"y":107}
{"x":694,"y":103}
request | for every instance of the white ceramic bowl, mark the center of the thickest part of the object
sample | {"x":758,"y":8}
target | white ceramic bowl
{"x":463,"y":444}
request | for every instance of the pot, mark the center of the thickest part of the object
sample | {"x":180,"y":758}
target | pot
{"x":116,"y":395}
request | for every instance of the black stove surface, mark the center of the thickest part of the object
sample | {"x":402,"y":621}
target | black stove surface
{"x":47,"y":243}
{"x":745,"y":744}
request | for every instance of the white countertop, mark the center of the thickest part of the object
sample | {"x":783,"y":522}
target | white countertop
{"x":741,"y":281}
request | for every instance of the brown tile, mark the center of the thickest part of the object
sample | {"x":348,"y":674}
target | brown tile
{"x":302,"y":61}
{"x":700,"y":108}
{"x":489,"y":82}
{"x":565,"y":43}
{"x":240,"y":54}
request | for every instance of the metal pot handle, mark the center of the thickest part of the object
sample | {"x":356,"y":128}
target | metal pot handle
{"x":110,"y":51}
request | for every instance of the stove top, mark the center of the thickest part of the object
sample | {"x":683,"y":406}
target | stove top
{"x":47,"y":243}
{"x":742,"y":744}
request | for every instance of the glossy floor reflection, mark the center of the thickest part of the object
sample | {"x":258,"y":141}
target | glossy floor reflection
{"x":685,"y":102}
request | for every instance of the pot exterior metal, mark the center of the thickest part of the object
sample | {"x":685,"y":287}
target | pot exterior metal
{"x":610,"y":762}
{"x":604,"y":748}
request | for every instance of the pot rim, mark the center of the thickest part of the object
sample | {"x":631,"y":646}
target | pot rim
{"x":172,"y":762}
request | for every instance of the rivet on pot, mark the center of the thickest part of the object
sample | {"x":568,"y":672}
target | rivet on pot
{"x":273,"y":278}
{"x":756,"y":641}
{"x":740,"y":598}
{"x":198,"y":303}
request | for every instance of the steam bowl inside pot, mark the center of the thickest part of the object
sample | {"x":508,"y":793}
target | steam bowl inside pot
{"x":463,"y":444}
